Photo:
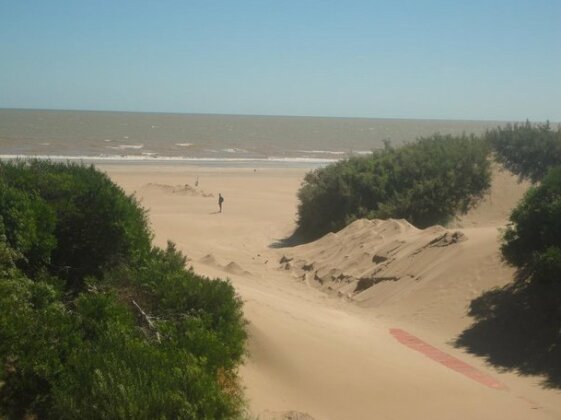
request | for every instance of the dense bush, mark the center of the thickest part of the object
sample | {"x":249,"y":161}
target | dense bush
{"x":27,"y":224}
{"x":518,"y":326}
{"x":426,"y":182}
{"x":124,"y":330}
{"x":96,"y":224}
{"x":532,"y":241}
{"x":528,"y":150}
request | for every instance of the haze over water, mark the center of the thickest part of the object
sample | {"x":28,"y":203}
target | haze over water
{"x":157,"y":137}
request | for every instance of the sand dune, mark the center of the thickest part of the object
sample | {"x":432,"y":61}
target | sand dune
{"x":505,"y":192}
{"x":209,"y":259}
{"x":286,"y":415}
{"x":232,"y":267}
{"x":369,"y":252}
{"x":358,"y":324}
{"x":176,"y":189}
{"x":424,"y":276}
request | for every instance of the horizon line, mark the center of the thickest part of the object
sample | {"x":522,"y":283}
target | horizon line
{"x":271,"y":115}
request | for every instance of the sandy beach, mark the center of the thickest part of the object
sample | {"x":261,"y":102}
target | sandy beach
{"x":324,"y":343}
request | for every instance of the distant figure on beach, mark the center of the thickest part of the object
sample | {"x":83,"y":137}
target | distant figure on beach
{"x":197,"y":182}
{"x":220,"y":201}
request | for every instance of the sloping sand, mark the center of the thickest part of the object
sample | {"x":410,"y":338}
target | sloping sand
{"x":426,"y":277}
{"x":357,"y":325}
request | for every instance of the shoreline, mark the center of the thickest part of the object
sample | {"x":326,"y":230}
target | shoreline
{"x":281,"y":163}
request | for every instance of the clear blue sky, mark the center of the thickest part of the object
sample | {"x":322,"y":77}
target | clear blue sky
{"x":477,"y":59}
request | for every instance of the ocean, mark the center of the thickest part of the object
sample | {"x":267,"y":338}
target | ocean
{"x":208,"y":139}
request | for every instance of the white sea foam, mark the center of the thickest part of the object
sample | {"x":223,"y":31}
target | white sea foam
{"x":322,"y":152}
{"x":156,"y":158}
{"x":233,"y":150}
{"x":126,"y":146}
{"x":362,"y":152}
{"x":299,"y":159}
{"x":184,"y":144}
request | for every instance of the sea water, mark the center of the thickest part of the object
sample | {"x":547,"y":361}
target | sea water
{"x":208,"y":139}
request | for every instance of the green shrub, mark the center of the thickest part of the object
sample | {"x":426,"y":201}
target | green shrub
{"x":518,"y":327}
{"x":118,"y":373}
{"x":96,"y":224}
{"x":532,"y":241}
{"x":95,"y":363}
{"x":201,"y":314}
{"x":27,"y":225}
{"x":37,"y":334}
{"x":426,"y":182}
{"x":124,"y":378}
{"x":94,"y":321}
{"x":528,"y":150}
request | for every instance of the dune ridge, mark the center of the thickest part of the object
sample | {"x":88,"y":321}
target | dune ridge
{"x":176,"y":189}
{"x":369,"y":252}
{"x":232,"y":267}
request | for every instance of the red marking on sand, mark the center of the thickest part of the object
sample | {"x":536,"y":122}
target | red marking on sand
{"x":447,"y":360}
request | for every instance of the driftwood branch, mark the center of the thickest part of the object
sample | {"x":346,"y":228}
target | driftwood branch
{"x":148,"y":320}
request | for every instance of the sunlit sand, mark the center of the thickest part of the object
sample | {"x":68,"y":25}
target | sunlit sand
{"x":322,"y":348}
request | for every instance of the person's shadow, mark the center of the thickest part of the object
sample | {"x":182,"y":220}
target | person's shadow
{"x":215,"y":212}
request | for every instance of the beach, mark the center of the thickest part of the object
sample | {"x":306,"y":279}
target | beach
{"x":280,"y":210}
{"x":326,"y":350}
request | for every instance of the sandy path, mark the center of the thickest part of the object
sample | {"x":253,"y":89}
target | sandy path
{"x":309,"y":352}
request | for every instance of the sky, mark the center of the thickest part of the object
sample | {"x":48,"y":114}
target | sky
{"x":449,"y":59}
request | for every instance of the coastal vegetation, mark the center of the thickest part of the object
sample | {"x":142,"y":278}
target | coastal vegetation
{"x":532,"y":239}
{"x":431,"y":180}
{"x":518,"y":326}
{"x":426,"y":182}
{"x":95,"y":321}
{"x":527,"y":150}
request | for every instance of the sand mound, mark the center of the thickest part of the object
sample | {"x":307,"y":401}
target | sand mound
{"x":209,"y":259}
{"x":284,"y":415}
{"x":177,"y":189}
{"x":368,"y":252}
{"x":429,"y":275}
{"x":231,"y":268}
{"x":234,"y":268}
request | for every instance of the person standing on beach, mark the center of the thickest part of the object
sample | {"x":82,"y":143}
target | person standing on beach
{"x":220,"y":201}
